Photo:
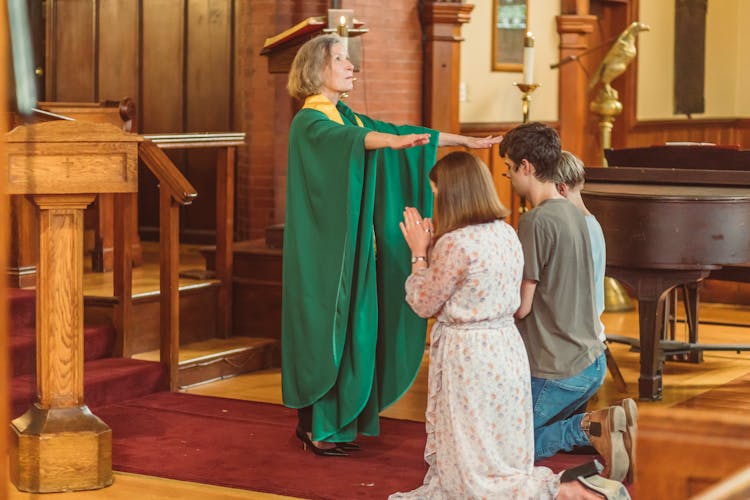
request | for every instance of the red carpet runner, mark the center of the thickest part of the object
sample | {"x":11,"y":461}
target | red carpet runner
{"x":252,"y":446}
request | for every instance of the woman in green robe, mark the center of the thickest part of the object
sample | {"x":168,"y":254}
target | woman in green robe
{"x":350,"y":344}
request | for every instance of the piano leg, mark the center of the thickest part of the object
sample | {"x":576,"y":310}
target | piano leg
{"x":650,"y":320}
{"x":691,"y":311}
{"x":651,"y":286}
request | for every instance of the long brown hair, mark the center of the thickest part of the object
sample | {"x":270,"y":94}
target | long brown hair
{"x":466,"y":193}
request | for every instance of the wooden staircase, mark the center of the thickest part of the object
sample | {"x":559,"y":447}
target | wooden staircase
{"x":205,"y":354}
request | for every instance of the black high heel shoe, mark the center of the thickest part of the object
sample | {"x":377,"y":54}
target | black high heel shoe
{"x":307,"y":444}
{"x":351,"y":446}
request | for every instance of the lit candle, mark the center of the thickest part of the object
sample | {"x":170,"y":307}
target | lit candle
{"x":343,"y":32}
{"x":528,"y":59}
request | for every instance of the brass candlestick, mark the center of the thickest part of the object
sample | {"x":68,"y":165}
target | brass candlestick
{"x":526,"y":89}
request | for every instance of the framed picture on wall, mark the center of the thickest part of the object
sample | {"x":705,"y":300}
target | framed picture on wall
{"x":509,"y":25}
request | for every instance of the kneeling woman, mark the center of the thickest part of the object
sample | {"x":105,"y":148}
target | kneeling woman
{"x":479,"y":421}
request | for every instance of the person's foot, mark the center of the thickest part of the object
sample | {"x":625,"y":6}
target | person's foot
{"x":605,"y":429}
{"x":349,"y":446}
{"x":318,"y":447}
{"x":629,"y":437}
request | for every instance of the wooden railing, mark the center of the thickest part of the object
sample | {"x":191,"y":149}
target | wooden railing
{"x":176,"y":191}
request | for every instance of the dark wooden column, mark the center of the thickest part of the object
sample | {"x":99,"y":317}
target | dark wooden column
{"x":573,"y":100}
{"x":442,"y":62}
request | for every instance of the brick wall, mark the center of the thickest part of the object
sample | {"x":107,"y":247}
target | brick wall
{"x":389,"y":88}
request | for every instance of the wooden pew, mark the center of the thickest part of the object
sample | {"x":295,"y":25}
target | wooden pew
{"x":682,"y":453}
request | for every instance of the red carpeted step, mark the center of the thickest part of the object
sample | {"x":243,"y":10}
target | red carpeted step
{"x":22,"y":308}
{"x":106,"y":381}
{"x":98,"y":341}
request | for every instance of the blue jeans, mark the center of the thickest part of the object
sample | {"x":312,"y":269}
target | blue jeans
{"x":557,"y":426}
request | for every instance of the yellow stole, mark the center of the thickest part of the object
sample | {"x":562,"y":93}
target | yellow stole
{"x":321,"y":103}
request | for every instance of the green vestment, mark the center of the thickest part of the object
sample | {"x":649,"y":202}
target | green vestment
{"x":351,"y":346}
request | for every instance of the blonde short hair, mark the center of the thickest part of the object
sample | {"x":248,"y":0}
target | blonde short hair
{"x":306,"y":73}
{"x":570,"y":170}
{"x":466,"y":193}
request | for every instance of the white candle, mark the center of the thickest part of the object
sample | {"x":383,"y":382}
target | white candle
{"x":528,"y":59}
{"x":343,"y":32}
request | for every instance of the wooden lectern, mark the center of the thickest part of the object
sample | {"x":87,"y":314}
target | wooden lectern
{"x":58,"y":444}
{"x":281,"y":48}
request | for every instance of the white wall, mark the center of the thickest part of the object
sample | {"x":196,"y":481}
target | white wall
{"x":743,"y":60}
{"x":491,"y":95}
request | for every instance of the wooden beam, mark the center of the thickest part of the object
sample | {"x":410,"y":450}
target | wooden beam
{"x":442,"y":65}
{"x":574,"y":33}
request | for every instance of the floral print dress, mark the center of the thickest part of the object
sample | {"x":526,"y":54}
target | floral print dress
{"x":479,"y":421}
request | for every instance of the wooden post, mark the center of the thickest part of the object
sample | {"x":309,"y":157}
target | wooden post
{"x":59,"y":444}
{"x":169,"y":290}
{"x":122,"y":273}
{"x":225,"y":237}
{"x":23,"y":246}
{"x":442,"y":63}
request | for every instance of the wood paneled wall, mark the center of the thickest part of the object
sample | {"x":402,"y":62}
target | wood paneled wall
{"x":175,"y":58}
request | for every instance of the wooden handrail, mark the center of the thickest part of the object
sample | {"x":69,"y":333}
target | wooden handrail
{"x":175,"y":190}
{"x":202,"y":140}
{"x":166,"y":173}
{"x":735,"y":487}
{"x":226,"y":144}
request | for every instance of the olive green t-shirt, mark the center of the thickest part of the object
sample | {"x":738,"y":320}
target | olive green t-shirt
{"x":560,"y":332}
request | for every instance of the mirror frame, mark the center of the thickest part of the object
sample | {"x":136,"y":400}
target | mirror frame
{"x":516,"y":63}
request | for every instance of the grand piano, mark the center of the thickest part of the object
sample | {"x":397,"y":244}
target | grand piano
{"x":672,"y":216}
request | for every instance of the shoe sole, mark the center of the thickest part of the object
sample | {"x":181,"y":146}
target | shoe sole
{"x":618,"y":463}
{"x":631,"y":416}
{"x":611,"y":490}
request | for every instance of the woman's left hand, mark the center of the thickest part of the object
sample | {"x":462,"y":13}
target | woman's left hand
{"x":482,"y":142}
{"x":417,"y":231}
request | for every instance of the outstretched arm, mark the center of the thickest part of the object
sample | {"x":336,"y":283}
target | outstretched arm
{"x":378,"y":140}
{"x":445,"y":139}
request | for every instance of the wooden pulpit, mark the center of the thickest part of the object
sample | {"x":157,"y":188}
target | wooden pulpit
{"x":58,"y":444}
{"x":97,"y":217}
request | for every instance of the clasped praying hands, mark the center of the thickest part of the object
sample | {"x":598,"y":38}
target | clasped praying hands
{"x":417,"y":231}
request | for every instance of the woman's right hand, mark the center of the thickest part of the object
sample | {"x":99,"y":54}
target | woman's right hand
{"x":417,"y":231}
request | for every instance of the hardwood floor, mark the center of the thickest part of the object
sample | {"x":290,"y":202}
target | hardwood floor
{"x":682,"y":381}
